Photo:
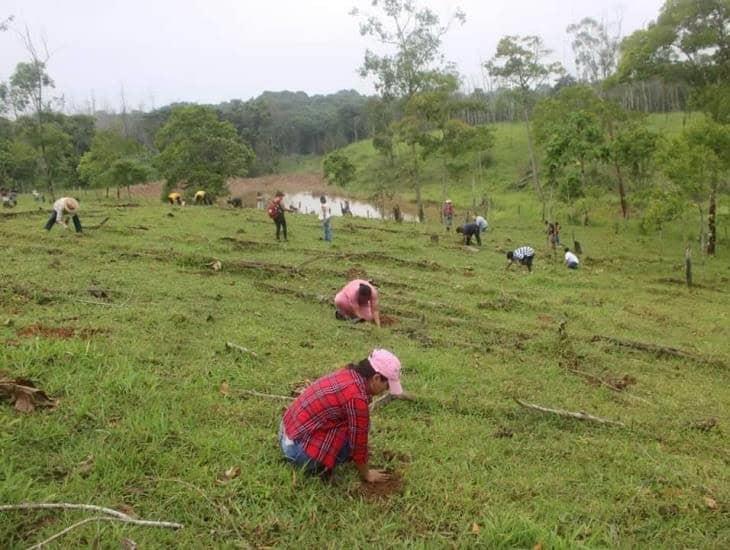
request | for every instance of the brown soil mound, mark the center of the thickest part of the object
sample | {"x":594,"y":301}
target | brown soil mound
{"x":375,"y":491}
{"x":388,"y":320}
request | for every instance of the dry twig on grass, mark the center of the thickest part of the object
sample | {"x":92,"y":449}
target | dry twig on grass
{"x":112,"y":515}
{"x":569,"y":414}
{"x":231,"y":345}
{"x":267,"y":395}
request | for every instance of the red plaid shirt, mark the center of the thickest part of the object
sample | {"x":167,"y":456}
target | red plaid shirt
{"x":332,"y":411}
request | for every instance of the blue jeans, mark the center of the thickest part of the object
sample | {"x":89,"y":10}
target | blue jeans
{"x":294,"y":453}
{"x":327,"y":226}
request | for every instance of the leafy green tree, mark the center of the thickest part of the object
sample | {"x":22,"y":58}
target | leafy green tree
{"x":520,"y":63}
{"x":415,"y":35}
{"x":200,"y":151}
{"x":697,"y":162}
{"x":18,"y":163}
{"x":577,"y":140}
{"x":689,"y":42}
{"x":338,"y":169}
{"x":626,"y":144}
{"x":107,"y":148}
{"x":126,"y":172}
{"x":27,"y":93}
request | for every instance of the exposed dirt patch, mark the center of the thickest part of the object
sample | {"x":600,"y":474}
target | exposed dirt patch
{"x":388,"y":320}
{"x":57,"y":332}
{"x":503,"y":431}
{"x":621,"y":383}
{"x":386,"y":489}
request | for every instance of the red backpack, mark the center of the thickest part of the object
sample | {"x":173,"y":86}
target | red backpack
{"x":274,"y":209}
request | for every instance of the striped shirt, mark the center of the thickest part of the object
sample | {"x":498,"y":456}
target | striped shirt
{"x":523,"y":252}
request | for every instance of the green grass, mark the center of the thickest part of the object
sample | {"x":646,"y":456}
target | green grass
{"x":142,"y":423}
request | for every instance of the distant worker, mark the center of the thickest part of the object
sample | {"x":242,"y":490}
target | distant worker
{"x":38,"y":197}
{"x":259,"y":201}
{"x":358,"y":301}
{"x":63,"y":207}
{"x":276,"y":211}
{"x":329,"y":423}
{"x":447,"y":214}
{"x":482,"y":223}
{"x":550,"y":232}
{"x":345,"y":208}
{"x":557,"y":233}
{"x":175,"y":198}
{"x":8,"y":198}
{"x":202,"y":197}
{"x":236,"y":202}
{"x":325,"y":216}
{"x":571,"y":260}
{"x":470,"y":230}
{"x":524,"y":255}
{"x":397,"y":214}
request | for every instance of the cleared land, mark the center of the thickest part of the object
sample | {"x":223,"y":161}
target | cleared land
{"x":127,"y":327}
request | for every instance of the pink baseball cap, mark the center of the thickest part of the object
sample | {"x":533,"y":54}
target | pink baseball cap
{"x":388,"y":365}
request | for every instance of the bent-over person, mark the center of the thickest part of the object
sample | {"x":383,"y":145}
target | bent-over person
{"x":329,"y":423}
{"x":523,"y":255}
{"x":358,"y":301}
{"x":63,"y":207}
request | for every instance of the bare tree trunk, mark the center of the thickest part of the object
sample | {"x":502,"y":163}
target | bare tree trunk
{"x":533,"y":161}
{"x":621,"y":191}
{"x":417,"y":185}
{"x":711,"y":223}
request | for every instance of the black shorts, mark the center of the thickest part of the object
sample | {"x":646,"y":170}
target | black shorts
{"x":527,"y":260}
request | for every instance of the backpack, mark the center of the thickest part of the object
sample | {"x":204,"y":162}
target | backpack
{"x":273,"y":210}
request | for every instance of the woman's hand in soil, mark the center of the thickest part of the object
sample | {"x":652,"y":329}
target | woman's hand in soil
{"x":377,"y":476}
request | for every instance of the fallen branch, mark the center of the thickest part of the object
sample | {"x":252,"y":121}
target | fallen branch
{"x":267,"y":395}
{"x":561,"y":412}
{"x":97,"y":226}
{"x":231,"y":345}
{"x":656,"y":349}
{"x":112,"y":515}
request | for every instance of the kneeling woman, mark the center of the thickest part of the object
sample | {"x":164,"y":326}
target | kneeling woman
{"x":358,"y":301}
{"x":328,"y":423}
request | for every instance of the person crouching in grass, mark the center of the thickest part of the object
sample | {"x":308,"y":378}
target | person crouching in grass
{"x":329,"y":423}
{"x":65,"y":206}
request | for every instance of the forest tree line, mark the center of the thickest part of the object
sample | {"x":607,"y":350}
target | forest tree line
{"x":421,"y":111}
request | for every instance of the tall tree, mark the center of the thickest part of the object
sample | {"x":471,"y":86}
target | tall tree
{"x":415,"y":34}
{"x":520,"y":64}
{"x":200,"y":151}
{"x":595,"y":49}
{"x":414,"y":64}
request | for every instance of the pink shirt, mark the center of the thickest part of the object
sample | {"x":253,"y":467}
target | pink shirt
{"x":346,"y":301}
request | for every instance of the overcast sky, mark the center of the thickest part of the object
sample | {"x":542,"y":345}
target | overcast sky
{"x":162,"y":51}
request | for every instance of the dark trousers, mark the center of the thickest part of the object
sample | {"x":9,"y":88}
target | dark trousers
{"x":527,"y":261}
{"x":52,"y":220}
{"x":280,"y":225}
{"x":467,"y":238}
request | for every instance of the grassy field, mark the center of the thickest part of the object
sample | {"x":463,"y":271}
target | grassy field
{"x":127,"y":324}
{"x":508,"y":164}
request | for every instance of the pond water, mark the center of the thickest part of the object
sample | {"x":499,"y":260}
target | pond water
{"x":308,"y":203}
